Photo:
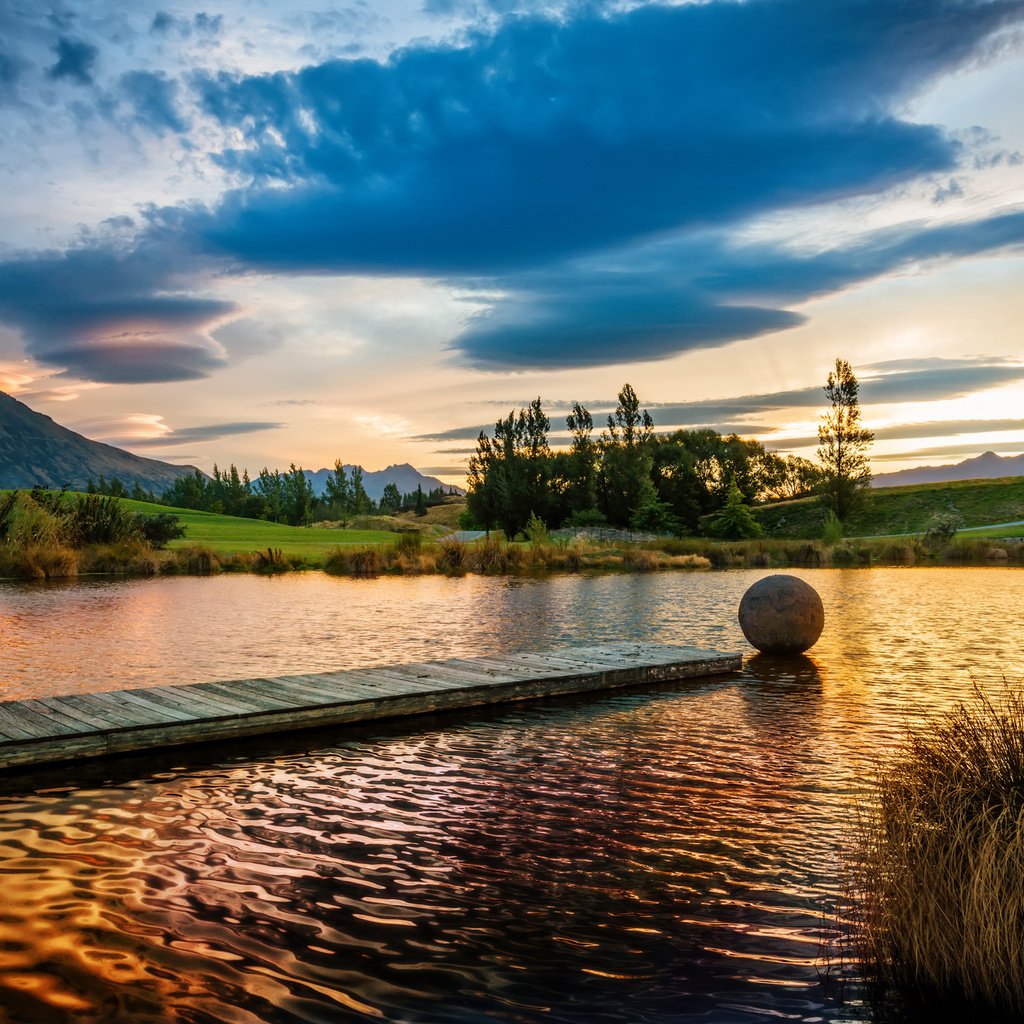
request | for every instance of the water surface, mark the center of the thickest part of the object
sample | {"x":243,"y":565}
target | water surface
{"x":646,"y":856}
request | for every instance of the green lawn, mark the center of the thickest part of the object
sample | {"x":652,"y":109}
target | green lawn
{"x":229,"y":534}
{"x":895,"y":510}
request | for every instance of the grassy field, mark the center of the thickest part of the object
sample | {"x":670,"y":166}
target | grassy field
{"x":897,"y":510}
{"x":229,"y":534}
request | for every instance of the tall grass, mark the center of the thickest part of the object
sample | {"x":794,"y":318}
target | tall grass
{"x":939,"y":863}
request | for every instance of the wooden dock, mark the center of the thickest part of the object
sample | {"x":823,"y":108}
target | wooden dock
{"x":78,"y":726}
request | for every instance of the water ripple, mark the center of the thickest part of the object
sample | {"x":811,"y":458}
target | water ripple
{"x":636,"y":858}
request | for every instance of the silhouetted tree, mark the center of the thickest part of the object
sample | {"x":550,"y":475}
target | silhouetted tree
{"x":843,"y":445}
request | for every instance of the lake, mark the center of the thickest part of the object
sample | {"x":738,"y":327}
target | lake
{"x":640,"y":857}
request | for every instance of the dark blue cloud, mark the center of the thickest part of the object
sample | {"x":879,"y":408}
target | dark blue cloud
{"x":700,"y":292}
{"x":153,"y":100}
{"x":75,"y":59}
{"x":608,"y":318}
{"x":589,"y":168}
{"x":552,"y":138}
{"x":111,"y":315}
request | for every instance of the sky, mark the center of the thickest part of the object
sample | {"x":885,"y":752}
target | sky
{"x":264,"y":232}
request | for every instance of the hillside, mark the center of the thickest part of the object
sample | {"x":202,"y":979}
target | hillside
{"x":36,"y":450}
{"x":904,"y":509}
{"x":228,"y":534}
{"x":986,"y":466}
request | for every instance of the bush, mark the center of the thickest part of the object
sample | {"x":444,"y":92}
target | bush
{"x":832,"y":528}
{"x":942,"y":528}
{"x":159,"y":529}
{"x":537,"y":531}
{"x":939,"y":862}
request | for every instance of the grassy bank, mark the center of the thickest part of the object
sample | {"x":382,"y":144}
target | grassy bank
{"x":939,"y":866}
{"x":896,"y":510}
{"x":216,"y":543}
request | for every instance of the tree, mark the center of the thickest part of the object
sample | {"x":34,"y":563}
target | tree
{"x":390,"y":500}
{"x":420,"y":508}
{"x":338,"y":491}
{"x":581,"y":490}
{"x":734,"y":521}
{"x":843,"y":445}
{"x":510,"y":474}
{"x":627,"y":459}
{"x":296,"y":497}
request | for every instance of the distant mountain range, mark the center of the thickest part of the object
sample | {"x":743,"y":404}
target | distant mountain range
{"x":35,"y":450}
{"x":983,"y":467}
{"x":403,"y":476}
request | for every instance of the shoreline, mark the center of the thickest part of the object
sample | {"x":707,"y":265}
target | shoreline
{"x":409,"y":555}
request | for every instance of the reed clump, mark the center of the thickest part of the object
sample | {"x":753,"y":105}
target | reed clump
{"x":938,"y":868}
{"x":196,"y":560}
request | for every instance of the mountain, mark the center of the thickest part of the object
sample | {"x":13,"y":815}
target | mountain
{"x":35,"y":450}
{"x":404,"y":477}
{"x":986,"y":466}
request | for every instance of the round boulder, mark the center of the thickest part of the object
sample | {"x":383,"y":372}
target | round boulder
{"x":781,"y":615}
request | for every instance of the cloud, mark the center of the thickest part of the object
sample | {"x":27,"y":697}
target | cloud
{"x":550,"y":138}
{"x":890,"y":382}
{"x":148,"y":430}
{"x":152,"y":99}
{"x":585,"y":172}
{"x":699,"y":291}
{"x":951,"y":451}
{"x":75,"y":60}
{"x":607,"y":318}
{"x":112,"y":315}
{"x":193,"y":435}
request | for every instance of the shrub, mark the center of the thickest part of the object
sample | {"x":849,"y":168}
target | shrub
{"x":938,"y":867}
{"x":942,"y":528}
{"x":734,"y":520}
{"x":159,"y":529}
{"x":537,"y":530}
{"x":832,"y":528}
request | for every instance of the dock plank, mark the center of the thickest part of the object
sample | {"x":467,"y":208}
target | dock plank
{"x":76,"y":726}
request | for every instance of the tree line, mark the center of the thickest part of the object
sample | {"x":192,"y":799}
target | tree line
{"x":686,"y":481}
{"x":627,"y":476}
{"x":278,"y":497}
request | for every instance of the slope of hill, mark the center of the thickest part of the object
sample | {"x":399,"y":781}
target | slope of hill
{"x":986,"y":466}
{"x":35,"y":450}
{"x":893,"y":510}
{"x":403,"y":476}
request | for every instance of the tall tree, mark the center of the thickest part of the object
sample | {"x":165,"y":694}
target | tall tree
{"x":391,"y":499}
{"x":296,"y":497}
{"x":581,"y":471}
{"x":510,"y":474}
{"x":627,"y":460}
{"x":338,"y":492}
{"x":362,"y":503}
{"x":843,"y":445}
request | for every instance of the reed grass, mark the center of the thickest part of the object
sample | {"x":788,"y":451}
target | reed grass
{"x":938,"y":867}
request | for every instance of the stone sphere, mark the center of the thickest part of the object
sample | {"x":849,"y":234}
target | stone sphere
{"x":781,"y":615}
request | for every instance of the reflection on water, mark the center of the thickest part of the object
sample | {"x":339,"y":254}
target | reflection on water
{"x":653,"y":856}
